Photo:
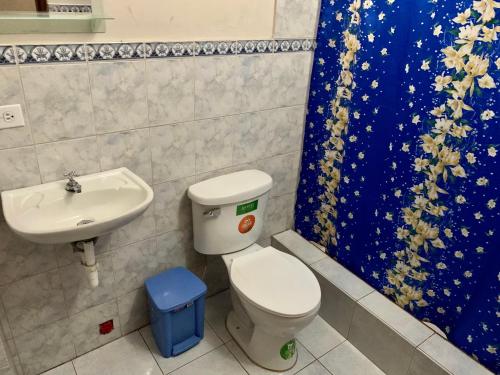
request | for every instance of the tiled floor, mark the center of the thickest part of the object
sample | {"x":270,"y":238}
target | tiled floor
{"x":322,"y":351}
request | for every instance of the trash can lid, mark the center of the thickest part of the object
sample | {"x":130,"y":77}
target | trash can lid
{"x":174,"y":288}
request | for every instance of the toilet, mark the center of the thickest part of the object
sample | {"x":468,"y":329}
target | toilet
{"x":274,"y":295}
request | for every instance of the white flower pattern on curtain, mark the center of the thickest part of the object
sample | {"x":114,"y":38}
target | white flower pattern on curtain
{"x":400,"y":152}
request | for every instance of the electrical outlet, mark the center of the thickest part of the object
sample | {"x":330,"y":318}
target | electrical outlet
{"x":11,"y":116}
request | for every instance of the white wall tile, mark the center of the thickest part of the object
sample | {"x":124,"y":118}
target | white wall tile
{"x":296,"y":18}
{"x":12,"y":93}
{"x":134,"y":263}
{"x":258,"y":135}
{"x":58,"y":99}
{"x":284,"y":170}
{"x":449,"y":357}
{"x":383,"y":346}
{"x":128,"y":149}
{"x":78,"y":293}
{"x":133,"y":310}
{"x":55,"y":159}
{"x":279,"y":215}
{"x":290,"y":79}
{"x":214,"y":144}
{"x":33,"y":302}
{"x":170,"y":85}
{"x":398,"y":319}
{"x":288,"y":129}
{"x":84,"y":327}
{"x":18,"y":168}
{"x":292,"y":242}
{"x":342,"y":278}
{"x":253,"y":136}
{"x":238,"y":84}
{"x":20,"y":258}
{"x":173,"y":152}
{"x":172,"y":207}
{"x":139,"y":229}
{"x":337,"y":307}
{"x":177,"y":250}
{"x":45,"y":348}
{"x":423,"y":364}
{"x":119,"y":95}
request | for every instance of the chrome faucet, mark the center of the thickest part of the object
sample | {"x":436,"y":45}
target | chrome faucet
{"x":72,"y":185}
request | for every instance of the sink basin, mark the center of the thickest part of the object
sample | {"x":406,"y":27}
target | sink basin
{"x":49,"y":214}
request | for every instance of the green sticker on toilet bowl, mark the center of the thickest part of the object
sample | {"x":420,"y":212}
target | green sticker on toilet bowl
{"x":288,"y":350}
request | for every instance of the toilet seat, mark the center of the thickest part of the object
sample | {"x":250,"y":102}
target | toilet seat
{"x":276,"y":282}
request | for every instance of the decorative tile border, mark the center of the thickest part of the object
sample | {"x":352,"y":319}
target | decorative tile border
{"x":35,"y":54}
{"x":70,"y":8}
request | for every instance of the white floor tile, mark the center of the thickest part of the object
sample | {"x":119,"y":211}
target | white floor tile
{"x":319,"y":337}
{"x":345,"y":359}
{"x":209,"y":343}
{"x":216,"y":310}
{"x":304,"y":358}
{"x":314,"y":368}
{"x":128,"y":355}
{"x":66,"y":369}
{"x":217,"y":362}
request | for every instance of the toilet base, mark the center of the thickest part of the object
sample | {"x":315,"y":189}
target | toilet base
{"x":274,"y":353}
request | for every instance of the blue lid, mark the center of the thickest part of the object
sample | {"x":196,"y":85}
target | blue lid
{"x":174,"y":288}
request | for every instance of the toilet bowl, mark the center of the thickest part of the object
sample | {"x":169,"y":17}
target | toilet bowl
{"x":274,"y":295}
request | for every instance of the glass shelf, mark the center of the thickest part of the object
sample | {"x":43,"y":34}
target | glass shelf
{"x":51,"y":22}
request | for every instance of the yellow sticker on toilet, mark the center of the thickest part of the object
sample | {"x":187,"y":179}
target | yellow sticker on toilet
{"x":288,"y":350}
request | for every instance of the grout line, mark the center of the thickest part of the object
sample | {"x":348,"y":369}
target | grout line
{"x":147,"y":346}
{"x":91,"y":96}
{"x":28,"y":116}
{"x":234,"y":355}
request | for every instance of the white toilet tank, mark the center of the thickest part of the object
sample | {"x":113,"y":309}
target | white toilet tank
{"x":228,"y":211}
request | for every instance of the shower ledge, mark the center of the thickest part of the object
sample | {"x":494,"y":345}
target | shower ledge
{"x":391,"y":338}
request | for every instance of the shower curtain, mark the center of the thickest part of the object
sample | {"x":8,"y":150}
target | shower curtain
{"x":400,"y":177}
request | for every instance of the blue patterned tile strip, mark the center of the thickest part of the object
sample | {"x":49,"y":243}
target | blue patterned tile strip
{"x":34,"y":54}
{"x":70,"y":8}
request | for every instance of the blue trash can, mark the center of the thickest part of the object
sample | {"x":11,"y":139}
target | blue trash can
{"x":177,"y":310}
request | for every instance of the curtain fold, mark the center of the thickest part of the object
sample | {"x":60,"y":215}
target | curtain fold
{"x":400,"y":177}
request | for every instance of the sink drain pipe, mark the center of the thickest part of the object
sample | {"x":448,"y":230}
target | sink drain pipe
{"x":87,"y":253}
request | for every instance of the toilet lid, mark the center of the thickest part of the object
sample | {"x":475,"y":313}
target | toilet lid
{"x":276,"y":282}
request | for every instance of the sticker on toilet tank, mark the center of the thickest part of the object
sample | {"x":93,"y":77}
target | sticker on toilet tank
{"x":288,"y":350}
{"x":246,"y":224}
{"x":246,"y":207}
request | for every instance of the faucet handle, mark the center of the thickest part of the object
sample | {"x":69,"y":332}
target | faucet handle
{"x":71,"y":174}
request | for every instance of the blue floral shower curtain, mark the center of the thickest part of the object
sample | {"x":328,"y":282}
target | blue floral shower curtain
{"x":400,"y":177}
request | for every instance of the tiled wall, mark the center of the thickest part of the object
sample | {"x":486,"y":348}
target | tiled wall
{"x":172,"y":121}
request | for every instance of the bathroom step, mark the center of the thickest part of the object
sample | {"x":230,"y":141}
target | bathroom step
{"x":390,"y":337}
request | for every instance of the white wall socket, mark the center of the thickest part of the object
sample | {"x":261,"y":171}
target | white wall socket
{"x":11,"y":116}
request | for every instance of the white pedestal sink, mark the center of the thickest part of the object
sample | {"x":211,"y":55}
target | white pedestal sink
{"x":49,"y":214}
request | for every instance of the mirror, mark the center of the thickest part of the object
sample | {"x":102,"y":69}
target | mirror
{"x":51,"y":16}
{"x":24,"y":5}
{"x":69,"y":6}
